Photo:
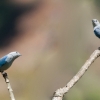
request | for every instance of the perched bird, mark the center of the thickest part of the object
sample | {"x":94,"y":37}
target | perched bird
{"x":96,"y":26}
{"x":7,"y":60}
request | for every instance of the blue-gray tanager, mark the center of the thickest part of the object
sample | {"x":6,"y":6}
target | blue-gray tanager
{"x":7,"y":60}
{"x":96,"y":26}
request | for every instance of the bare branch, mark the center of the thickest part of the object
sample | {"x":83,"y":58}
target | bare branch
{"x":59,"y":93}
{"x":4,"y":74}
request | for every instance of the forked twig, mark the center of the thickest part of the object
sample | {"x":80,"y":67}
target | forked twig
{"x":4,"y":74}
{"x":59,"y":93}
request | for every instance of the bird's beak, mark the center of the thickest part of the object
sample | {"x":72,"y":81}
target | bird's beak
{"x":19,"y":54}
{"x":93,"y":23}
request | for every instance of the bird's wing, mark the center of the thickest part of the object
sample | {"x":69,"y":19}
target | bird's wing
{"x":97,"y":29}
{"x":3,"y":61}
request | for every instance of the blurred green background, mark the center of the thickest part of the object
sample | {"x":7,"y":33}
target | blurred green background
{"x":55,"y":38}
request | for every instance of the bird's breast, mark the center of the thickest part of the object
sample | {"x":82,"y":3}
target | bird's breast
{"x":97,"y":32}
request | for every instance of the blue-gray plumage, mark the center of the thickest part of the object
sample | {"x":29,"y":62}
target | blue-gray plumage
{"x":96,"y":26}
{"x":7,"y":60}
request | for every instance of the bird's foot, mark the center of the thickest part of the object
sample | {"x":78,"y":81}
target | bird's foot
{"x":4,"y":74}
{"x":98,"y":48}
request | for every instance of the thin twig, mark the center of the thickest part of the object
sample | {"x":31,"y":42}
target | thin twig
{"x":59,"y":93}
{"x":4,"y":74}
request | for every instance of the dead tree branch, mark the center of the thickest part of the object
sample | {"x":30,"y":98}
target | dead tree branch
{"x":59,"y":93}
{"x":4,"y":74}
